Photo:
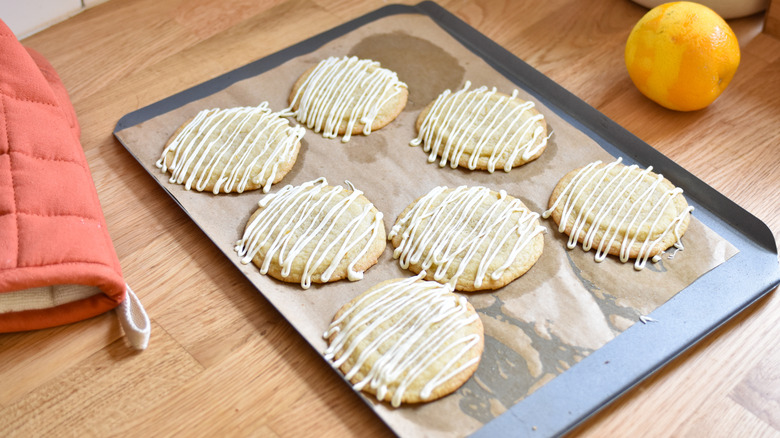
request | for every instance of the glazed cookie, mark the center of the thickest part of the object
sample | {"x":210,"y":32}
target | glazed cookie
{"x":232,"y":150}
{"x":313,"y":233}
{"x":620,"y":210}
{"x":470,"y":237}
{"x":481,"y":129}
{"x":346,"y":96}
{"x":406,"y":341}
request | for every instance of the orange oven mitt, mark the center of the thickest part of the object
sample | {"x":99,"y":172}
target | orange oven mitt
{"x":57,"y":262}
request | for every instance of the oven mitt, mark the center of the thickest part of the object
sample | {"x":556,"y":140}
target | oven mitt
{"x":57,"y":262}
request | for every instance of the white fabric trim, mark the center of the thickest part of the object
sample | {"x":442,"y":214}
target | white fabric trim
{"x":134,"y":320}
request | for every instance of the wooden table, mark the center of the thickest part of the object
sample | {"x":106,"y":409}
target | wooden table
{"x":221,"y":359}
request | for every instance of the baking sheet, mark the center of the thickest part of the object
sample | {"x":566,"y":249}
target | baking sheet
{"x":557,"y":317}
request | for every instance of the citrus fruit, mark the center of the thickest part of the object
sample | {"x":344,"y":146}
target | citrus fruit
{"x":682,"y":55}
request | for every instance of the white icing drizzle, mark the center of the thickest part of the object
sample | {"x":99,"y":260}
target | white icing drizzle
{"x":448,"y":236}
{"x":470,"y":116}
{"x":192,"y":147}
{"x":633,"y":208}
{"x":327,"y":94}
{"x":426,"y":319}
{"x":282,"y":228}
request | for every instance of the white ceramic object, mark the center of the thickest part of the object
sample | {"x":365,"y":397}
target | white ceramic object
{"x":725,"y":8}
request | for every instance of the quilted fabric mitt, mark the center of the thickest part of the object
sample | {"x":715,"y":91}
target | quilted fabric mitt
{"x":57,"y":261}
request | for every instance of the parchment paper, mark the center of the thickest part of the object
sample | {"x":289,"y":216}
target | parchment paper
{"x":538,"y":326}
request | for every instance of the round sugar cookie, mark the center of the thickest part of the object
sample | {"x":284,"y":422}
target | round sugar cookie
{"x":406,"y":341}
{"x":313,"y":233}
{"x":232,"y":150}
{"x":626,"y":211}
{"x":346,"y":96}
{"x":471,"y":237}
{"x":481,"y":129}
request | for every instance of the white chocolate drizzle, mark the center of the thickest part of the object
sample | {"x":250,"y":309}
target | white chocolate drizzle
{"x":328,"y":96}
{"x":443,"y":229}
{"x":425,"y":320}
{"x":470,"y":117}
{"x":296,"y":216}
{"x":214,"y":136}
{"x":635,"y":210}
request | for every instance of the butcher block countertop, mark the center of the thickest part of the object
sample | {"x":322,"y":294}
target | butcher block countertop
{"x":223,"y":362}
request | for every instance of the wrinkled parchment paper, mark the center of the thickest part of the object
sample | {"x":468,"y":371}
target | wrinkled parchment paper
{"x":538,"y":326}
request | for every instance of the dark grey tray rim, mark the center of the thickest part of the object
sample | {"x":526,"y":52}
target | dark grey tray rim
{"x":641,"y":350}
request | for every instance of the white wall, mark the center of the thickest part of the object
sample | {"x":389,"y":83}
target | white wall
{"x":26,"y":17}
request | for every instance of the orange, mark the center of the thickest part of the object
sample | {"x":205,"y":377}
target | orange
{"x":682,"y":55}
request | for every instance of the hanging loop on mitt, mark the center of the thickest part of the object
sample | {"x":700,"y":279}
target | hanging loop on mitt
{"x":134,"y":320}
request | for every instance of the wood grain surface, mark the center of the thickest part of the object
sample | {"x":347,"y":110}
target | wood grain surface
{"x":222,"y":361}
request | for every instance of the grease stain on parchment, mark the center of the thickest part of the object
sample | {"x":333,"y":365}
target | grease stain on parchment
{"x":365,"y":149}
{"x":617,"y":314}
{"x":526,"y":353}
{"x":425,"y":67}
{"x":511,"y":370}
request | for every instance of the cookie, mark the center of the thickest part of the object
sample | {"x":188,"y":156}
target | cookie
{"x":313,"y":233}
{"x":471,"y":237}
{"x":481,"y":129}
{"x":621,"y":210}
{"x":232,"y":150}
{"x":346,"y":96}
{"x":406,"y":341}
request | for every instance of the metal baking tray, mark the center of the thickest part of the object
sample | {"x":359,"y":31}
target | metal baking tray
{"x":689,"y":316}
